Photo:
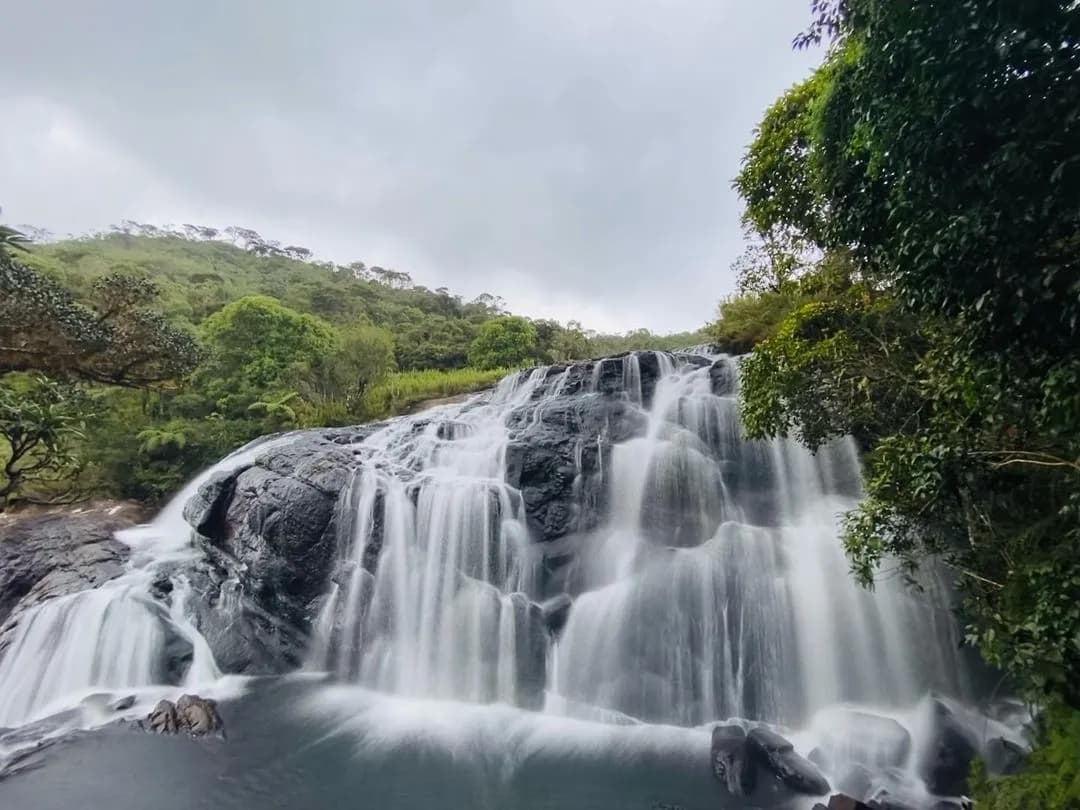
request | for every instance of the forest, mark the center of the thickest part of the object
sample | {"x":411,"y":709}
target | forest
{"x":130,"y":360}
{"x":913,"y":279}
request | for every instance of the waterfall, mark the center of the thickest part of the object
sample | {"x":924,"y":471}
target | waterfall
{"x":116,"y":637}
{"x":598,"y":540}
{"x":715,"y":585}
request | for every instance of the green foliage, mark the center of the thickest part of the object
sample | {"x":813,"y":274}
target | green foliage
{"x":503,"y":342}
{"x":1052,"y":776}
{"x":778,"y":180}
{"x":403,"y":391}
{"x":113,"y":338}
{"x":253,"y":342}
{"x":743,"y":321}
{"x":950,"y":158}
{"x":11,"y":241}
{"x":39,"y":421}
{"x":934,"y":162}
{"x":363,"y":356}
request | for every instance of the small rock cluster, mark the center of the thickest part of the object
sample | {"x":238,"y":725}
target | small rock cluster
{"x":190,"y":714}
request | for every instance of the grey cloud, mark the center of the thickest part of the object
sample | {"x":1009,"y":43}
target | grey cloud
{"x":571,"y":156}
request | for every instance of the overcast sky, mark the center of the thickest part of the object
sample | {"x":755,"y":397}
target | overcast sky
{"x":573,"y":156}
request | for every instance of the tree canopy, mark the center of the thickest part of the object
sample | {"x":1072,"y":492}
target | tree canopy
{"x":503,"y":342}
{"x":931,"y":167}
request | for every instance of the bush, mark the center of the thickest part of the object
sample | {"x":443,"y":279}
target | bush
{"x":1052,"y":777}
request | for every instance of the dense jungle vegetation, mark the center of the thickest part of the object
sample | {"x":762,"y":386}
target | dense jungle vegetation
{"x":914,"y":280}
{"x":131,"y":359}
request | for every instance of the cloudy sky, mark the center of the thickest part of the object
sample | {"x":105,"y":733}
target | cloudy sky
{"x":574,"y":156}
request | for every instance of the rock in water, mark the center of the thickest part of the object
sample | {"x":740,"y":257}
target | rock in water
{"x":777,"y":755}
{"x":162,"y":720}
{"x":945,"y":765}
{"x":198,"y":716}
{"x":192,"y":714}
{"x":731,"y":761}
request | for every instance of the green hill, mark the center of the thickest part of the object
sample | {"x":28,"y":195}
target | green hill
{"x":285,"y":341}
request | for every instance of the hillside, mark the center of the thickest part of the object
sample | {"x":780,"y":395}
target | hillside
{"x":271,"y":340}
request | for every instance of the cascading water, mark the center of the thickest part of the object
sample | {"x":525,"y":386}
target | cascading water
{"x":715,"y":586}
{"x":647,"y":563}
{"x":114,"y":637}
{"x":730,"y":594}
{"x":436,"y":548}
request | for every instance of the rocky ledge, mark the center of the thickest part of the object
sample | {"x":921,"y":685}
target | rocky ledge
{"x":44,"y":556}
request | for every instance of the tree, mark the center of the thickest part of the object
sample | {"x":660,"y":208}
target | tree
{"x":503,"y":342}
{"x":363,"y":356}
{"x":778,"y":180}
{"x":39,"y":421}
{"x":252,"y":343}
{"x":116,"y":339}
{"x":11,"y":241}
{"x":939,"y":152}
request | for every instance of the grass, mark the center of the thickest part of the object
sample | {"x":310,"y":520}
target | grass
{"x":404,"y":390}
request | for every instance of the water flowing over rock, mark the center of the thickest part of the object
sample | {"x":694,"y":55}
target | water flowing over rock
{"x":597,"y":540}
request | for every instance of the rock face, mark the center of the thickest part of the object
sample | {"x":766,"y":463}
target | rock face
{"x":269,"y":531}
{"x":190,"y":714}
{"x":55,"y":554}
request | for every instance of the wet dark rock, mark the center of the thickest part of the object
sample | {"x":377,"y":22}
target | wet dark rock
{"x":776,"y":754}
{"x":270,"y":536}
{"x":731,"y":761}
{"x":557,"y":612}
{"x":206,"y":511}
{"x":56,"y":554}
{"x":1003,"y":757}
{"x":724,"y":377}
{"x":198,"y":716}
{"x":122,"y":704}
{"x":945,"y":765}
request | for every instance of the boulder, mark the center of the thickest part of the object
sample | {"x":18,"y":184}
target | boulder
{"x":198,"y":716}
{"x":731,"y":762}
{"x":946,"y":761}
{"x":190,"y":714}
{"x":162,"y":719}
{"x":270,"y":536}
{"x":868,"y":739}
{"x":776,"y":754}
{"x":122,"y":704}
